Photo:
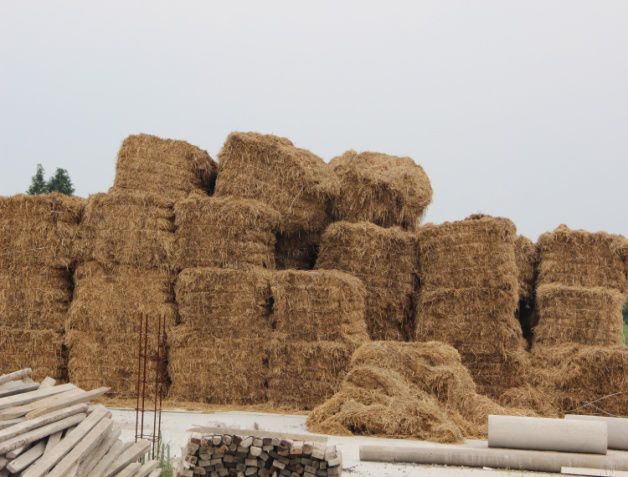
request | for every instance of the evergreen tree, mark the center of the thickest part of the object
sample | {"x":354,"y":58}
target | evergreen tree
{"x":60,"y":182}
{"x":38,"y":183}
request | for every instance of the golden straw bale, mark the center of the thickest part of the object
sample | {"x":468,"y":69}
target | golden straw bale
{"x":297,"y":251}
{"x":116,"y":300}
{"x":128,"y":228}
{"x":528,"y":396}
{"x":579,"y":258}
{"x":418,"y":390}
{"x":292,"y":181}
{"x":583,"y":379}
{"x":579,"y":315}
{"x":41,"y":350}
{"x":167,"y":167}
{"x":35,"y":298}
{"x":225,"y":232}
{"x":303,"y":374}
{"x":108,"y":359}
{"x":38,"y":230}
{"x":386,"y":190}
{"x":225,"y":371}
{"x":320,"y":305}
{"x":384,"y":259}
{"x":225,"y":303}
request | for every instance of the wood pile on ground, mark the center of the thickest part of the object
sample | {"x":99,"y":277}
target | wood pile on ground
{"x":54,"y":430}
{"x":260,"y":454}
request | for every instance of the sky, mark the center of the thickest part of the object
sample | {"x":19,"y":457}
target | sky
{"x":513,"y":108}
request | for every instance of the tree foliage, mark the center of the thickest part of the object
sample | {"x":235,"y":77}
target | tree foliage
{"x":59,"y":182}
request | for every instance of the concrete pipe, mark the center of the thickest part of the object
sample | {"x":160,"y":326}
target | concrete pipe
{"x":541,"y":433}
{"x":617,"y":429}
{"x":539,"y":461}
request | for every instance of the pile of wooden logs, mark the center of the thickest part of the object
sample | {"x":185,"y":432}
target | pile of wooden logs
{"x":227,"y":453}
{"x":53,"y":430}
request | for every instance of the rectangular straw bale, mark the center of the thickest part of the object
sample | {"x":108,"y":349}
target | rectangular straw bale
{"x":225,"y":371}
{"x":591,"y":316}
{"x":292,"y":181}
{"x":35,"y":298}
{"x":38,"y":230}
{"x":170,"y":168}
{"x":384,"y":259}
{"x":41,"y":350}
{"x":225,"y":303}
{"x":579,"y":258}
{"x":320,"y":305}
{"x":225,"y":232}
{"x":115,"y":300}
{"x":386,"y":190}
{"x":107,"y":359}
{"x":494,"y":373}
{"x":128,"y":228}
{"x":304,"y":374}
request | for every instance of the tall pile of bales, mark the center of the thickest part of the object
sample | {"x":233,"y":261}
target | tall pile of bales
{"x":37,"y":237}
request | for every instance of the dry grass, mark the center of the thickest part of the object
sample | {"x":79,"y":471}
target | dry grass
{"x":41,"y":350}
{"x":384,"y":259}
{"x":297,"y":251}
{"x":386,"y":190}
{"x":292,"y":181}
{"x":165,"y":167}
{"x":225,"y":232}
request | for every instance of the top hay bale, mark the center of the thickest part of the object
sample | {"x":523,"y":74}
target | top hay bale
{"x":38,"y":230}
{"x":386,"y":190}
{"x":170,"y":168}
{"x":579,"y":258}
{"x":293,"y":181}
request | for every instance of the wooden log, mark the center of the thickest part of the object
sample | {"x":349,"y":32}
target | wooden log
{"x":88,"y":464}
{"x":129,"y":456}
{"x":39,"y":433}
{"x":3,"y":462}
{"x":84,"y":447}
{"x":16,"y":375}
{"x":48,"y":382}
{"x":129,"y":470}
{"x":147,"y":468}
{"x":12,"y":454}
{"x":53,"y":440}
{"x":26,"y":398}
{"x":258,"y":433}
{"x":23,"y":410}
{"x":27,"y":458}
{"x":29,"y":425}
{"x":81,"y":397}
{"x":155,"y":473}
{"x":17,"y":387}
{"x":11,"y":422}
{"x":47,"y":462}
{"x":109,"y":458}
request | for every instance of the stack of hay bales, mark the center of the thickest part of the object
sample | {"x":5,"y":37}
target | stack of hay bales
{"x":225,"y":232}
{"x":255,"y":336}
{"x":165,"y":167}
{"x":292,"y":181}
{"x":418,"y":390}
{"x":526,"y":258}
{"x":385,"y":190}
{"x":126,"y":246}
{"x":581,"y":288}
{"x":384,"y":259}
{"x":37,"y":234}
{"x":468,"y":297}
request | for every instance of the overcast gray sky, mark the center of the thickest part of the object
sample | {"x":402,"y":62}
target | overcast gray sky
{"x":514,"y":108}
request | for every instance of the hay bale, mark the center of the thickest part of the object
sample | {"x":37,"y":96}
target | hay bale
{"x":108,"y":359}
{"x":386,"y":190}
{"x":292,"y":181}
{"x":38,"y":231}
{"x":225,"y":232}
{"x":35,"y":298}
{"x":384,"y":259}
{"x":574,"y":314}
{"x":225,"y":303}
{"x":321,"y":305}
{"x":128,"y":228}
{"x":165,"y":167}
{"x":225,"y":371}
{"x":578,"y":258}
{"x":418,"y":390}
{"x":297,"y":251}
{"x":41,"y":350}
{"x":113,"y":301}
{"x":303,"y":373}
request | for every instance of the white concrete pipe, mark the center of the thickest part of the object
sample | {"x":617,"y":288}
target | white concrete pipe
{"x":539,"y":461}
{"x":542,"y":433}
{"x":617,"y":429}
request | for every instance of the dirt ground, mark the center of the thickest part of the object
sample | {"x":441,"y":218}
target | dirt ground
{"x":175,"y":424}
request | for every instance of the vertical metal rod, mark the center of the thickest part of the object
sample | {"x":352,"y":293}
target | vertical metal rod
{"x":139,"y":367}
{"x":145,"y":355}
{"x":156,"y":389}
